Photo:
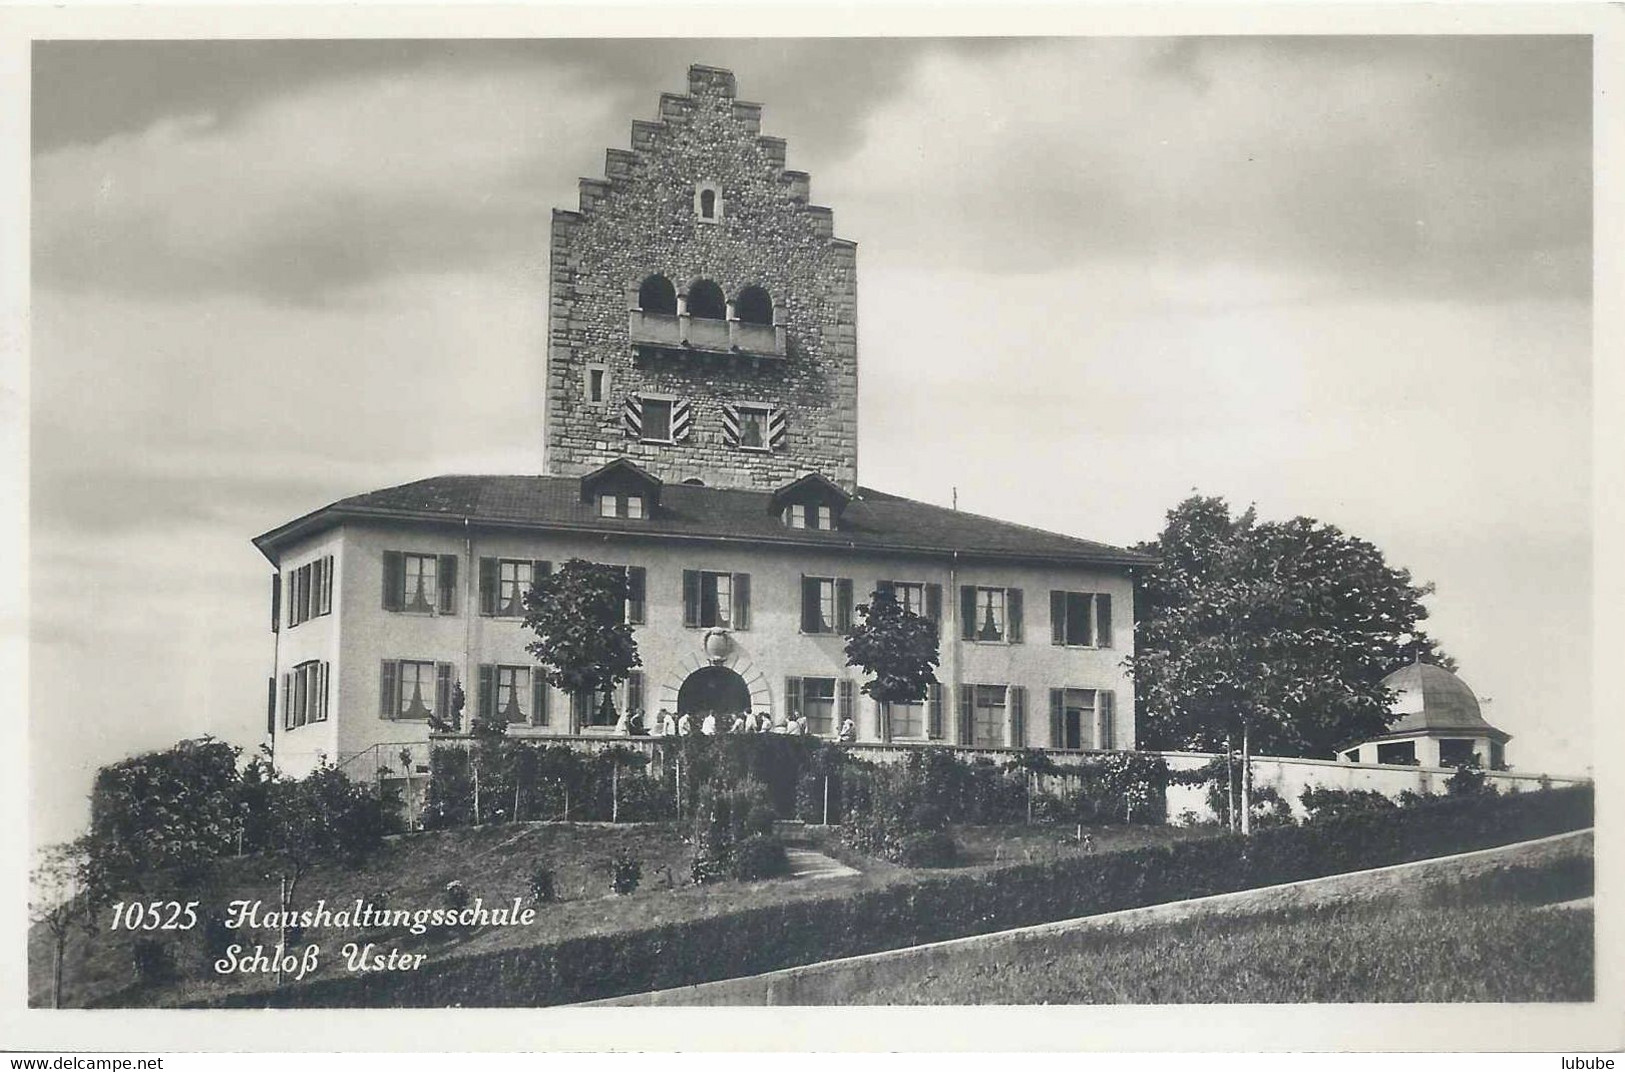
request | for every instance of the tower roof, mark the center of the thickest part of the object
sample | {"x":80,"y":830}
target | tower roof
{"x":1431,"y":698}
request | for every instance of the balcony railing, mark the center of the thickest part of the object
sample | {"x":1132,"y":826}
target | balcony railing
{"x":680,"y":332}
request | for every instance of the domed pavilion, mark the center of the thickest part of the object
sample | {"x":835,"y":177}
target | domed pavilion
{"x":1440,"y":724}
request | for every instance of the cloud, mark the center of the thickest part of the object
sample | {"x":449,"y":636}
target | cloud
{"x":320,"y":191}
{"x":1447,"y":166}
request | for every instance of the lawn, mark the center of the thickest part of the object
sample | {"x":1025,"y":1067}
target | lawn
{"x":1489,"y":941}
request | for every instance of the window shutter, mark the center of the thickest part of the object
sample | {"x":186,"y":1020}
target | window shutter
{"x":486,"y":704}
{"x":442,"y":691}
{"x":1057,"y":617}
{"x":967,"y":612}
{"x":792,"y":697}
{"x":1106,"y":701}
{"x":296,"y":716}
{"x":1018,"y":716}
{"x":637,"y":586}
{"x":741,"y":616}
{"x":843,"y":698}
{"x":388,"y":689}
{"x":730,"y":424}
{"x":966,"y":699}
{"x":291,"y":601}
{"x":691,"y":597}
{"x":287,"y":701}
{"x":634,"y":691}
{"x":934,"y":715}
{"x":1103,"y":620}
{"x":488,"y":586}
{"x":681,"y":420}
{"x":447,"y":580}
{"x":843,"y":604}
{"x":276,"y":602}
{"x":394,"y":579}
{"x":778,"y":429}
{"x":883,"y":722}
{"x":538,"y":570}
{"x":809,"y":605}
{"x":538,"y":697}
{"x":327,"y":586}
{"x":933,"y":605}
{"x":321,"y":677}
{"x":1013,"y":608}
{"x":632,"y":417}
{"x":1057,"y":718}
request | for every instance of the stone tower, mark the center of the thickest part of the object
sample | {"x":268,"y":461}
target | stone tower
{"x":703,"y":317}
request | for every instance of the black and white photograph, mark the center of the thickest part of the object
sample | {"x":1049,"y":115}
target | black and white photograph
{"x":719,"y":519}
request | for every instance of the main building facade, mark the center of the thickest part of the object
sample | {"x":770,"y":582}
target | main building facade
{"x":700,"y":432}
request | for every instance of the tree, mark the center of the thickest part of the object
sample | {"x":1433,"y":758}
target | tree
{"x":895,"y":647}
{"x":164,"y":816}
{"x":1281,"y":631}
{"x":61,"y":900}
{"x":582,"y":640}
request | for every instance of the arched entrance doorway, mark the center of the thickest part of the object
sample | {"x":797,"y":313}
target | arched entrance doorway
{"x":713,"y":690}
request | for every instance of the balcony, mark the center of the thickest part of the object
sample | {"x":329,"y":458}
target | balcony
{"x":681,"y":333}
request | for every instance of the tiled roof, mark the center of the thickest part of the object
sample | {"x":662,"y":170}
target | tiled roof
{"x":872,"y":521}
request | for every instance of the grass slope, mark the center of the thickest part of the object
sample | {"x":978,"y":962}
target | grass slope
{"x":495,"y":863}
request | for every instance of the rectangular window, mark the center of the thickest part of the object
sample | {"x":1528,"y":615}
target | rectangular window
{"x":818,"y":704}
{"x":613,"y":505}
{"x":990,"y":615}
{"x":826,"y":604}
{"x":988,"y":717}
{"x":753,"y":434}
{"x":415,"y":700}
{"x":419,"y":583}
{"x":514,"y":579}
{"x":513,"y":693}
{"x":1080,"y":619}
{"x":795,"y":516}
{"x":656,"y":420}
{"x":1402,"y":753}
{"x":310,"y":590}
{"x":1455,"y":752}
{"x":716,"y":600}
{"x":597,"y":383}
{"x":908,"y":720}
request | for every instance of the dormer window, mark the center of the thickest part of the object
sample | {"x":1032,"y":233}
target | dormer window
{"x":805,"y":516}
{"x":708,"y":202}
{"x":620,"y":489}
{"x":813,"y":502}
{"x":620,"y":505}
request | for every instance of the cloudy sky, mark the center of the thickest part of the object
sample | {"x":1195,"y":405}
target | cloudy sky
{"x":1341,"y":277}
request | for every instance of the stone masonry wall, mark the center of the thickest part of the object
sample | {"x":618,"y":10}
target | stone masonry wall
{"x":640,"y":219}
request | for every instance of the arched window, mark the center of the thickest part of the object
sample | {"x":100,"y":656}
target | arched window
{"x":705,"y":301}
{"x":657,"y":295}
{"x":708,"y":204}
{"x":753,"y":306}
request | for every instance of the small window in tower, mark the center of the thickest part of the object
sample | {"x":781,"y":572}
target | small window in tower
{"x":656,"y":420}
{"x":597,"y":383}
{"x":707,"y":202}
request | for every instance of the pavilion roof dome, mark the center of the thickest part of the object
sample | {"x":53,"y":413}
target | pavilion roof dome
{"x":1429,"y":697}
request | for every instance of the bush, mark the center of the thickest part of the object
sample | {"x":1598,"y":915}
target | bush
{"x":625,"y":872}
{"x":455,"y":895}
{"x":1468,"y":781}
{"x":931,"y":848}
{"x":1325,"y":804}
{"x":759,"y":856}
{"x":941,"y":907}
{"x":543,"y":889}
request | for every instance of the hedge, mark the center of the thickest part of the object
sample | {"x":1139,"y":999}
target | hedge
{"x":941,"y":907}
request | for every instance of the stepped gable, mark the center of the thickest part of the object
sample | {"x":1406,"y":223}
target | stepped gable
{"x":872,"y":521}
